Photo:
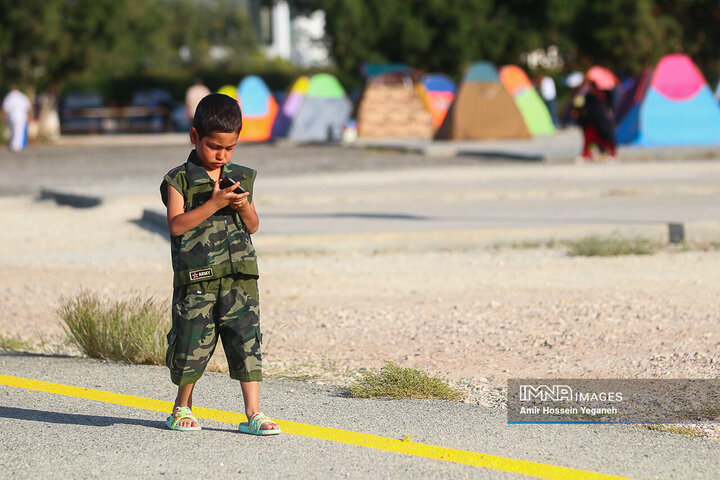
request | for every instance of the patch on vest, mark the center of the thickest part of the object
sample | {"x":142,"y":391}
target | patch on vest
{"x":199,"y":274}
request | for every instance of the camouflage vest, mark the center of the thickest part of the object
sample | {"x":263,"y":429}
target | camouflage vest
{"x":220,"y":245}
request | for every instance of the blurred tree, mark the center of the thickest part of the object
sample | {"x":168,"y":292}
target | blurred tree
{"x":433,"y":35}
{"x":624,"y":36}
{"x":46,"y":42}
{"x":43,"y":40}
{"x":698,"y":22}
{"x":211,"y":33}
{"x":446,"y":35}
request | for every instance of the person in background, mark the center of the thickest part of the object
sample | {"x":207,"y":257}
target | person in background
{"x":194,"y":94}
{"x":548,"y":93}
{"x":592,"y":108}
{"x":16,"y":111}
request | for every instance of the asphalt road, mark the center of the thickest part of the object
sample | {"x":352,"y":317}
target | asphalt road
{"x":47,"y":435}
{"x":330,"y":189}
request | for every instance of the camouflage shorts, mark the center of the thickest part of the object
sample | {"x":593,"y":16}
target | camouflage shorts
{"x":227,"y":307}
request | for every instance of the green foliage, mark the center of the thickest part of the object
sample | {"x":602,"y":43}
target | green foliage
{"x":596,"y":246}
{"x":426,"y":34}
{"x":446,"y":35}
{"x":13,"y":343}
{"x":395,"y":382}
{"x":105,"y":43}
{"x":626,"y":36}
{"x":696,"y":24}
{"x":130,"y":330}
{"x":47,"y":42}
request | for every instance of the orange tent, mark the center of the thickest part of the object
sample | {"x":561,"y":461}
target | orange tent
{"x":259,"y":110}
{"x":514,"y":79}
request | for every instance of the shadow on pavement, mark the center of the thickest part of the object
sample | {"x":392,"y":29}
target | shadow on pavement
{"x":23,"y":353}
{"x":369,"y":215}
{"x":78,"y":419}
{"x":151,"y":227}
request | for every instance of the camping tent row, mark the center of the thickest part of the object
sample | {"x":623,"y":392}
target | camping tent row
{"x":671,"y":104}
{"x":316,"y":109}
{"x":395,"y":104}
{"x":487,"y":105}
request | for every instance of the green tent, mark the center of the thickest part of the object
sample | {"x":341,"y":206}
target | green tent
{"x":533,"y":109}
{"x":323,"y":112}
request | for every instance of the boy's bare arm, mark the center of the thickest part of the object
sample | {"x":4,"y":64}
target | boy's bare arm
{"x":247,"y":212}
{"x":250,"y":217}
{"x":180,"y":221}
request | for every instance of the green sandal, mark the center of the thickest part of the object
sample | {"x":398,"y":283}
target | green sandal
{"x":254,"y":425}
{"x":181,"y":413}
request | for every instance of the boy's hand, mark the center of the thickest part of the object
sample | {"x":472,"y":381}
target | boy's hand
{"x":225,"y":196}
{"x":240,"y":202}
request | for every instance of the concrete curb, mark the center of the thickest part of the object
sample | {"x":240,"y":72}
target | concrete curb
{"x":384,"y":242}
{"x":378,"y":243}
{"x":448,"y":150}
{"x":626,"y":154}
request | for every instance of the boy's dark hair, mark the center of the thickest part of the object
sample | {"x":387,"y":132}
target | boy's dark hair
{"x":217,"y":113}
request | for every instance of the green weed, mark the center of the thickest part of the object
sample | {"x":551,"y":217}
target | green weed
{"x":676,"y":429}
{"x":13,"y":343}
{"x":596,"y":246}
{"x":131,"y":330}
{"x":395,"y":382}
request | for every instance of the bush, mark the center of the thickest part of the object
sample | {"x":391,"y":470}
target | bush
{"x":397,"y":382}
{"x":132,"y":330}
{"x":611,"y":246}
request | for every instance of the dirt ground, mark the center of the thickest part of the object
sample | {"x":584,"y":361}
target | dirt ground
{"x":476,"y":316}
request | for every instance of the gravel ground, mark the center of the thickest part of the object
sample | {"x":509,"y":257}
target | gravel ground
{"x":481,"y":315}
{"x":475,"y":316}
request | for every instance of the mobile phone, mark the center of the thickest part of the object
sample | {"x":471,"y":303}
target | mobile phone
{"x":225,"y":182}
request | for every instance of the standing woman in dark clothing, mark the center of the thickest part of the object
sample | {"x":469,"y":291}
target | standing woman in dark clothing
{"x":593,"y":110}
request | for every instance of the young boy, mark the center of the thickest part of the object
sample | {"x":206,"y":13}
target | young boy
{"x":215,"y":289}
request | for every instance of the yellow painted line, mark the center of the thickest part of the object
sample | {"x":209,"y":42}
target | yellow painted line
{"x":524,"y":467}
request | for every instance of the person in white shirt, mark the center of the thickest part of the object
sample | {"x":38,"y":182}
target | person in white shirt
{"x":16,"y":111}
{"x":549,"y":95}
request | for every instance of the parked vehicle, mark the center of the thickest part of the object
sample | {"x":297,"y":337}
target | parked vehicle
{"x":80,"y":112}
{"x":150,"y":110}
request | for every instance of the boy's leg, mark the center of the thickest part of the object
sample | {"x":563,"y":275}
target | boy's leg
{"x":251,"y":397}
{"x":191,"y":341}
{"x":239,"y":330}
{"x":184,"y":399}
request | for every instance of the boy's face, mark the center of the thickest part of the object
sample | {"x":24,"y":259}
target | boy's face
{"x":214,"y":150}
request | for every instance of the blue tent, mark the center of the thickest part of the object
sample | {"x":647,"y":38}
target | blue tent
{"x":437,"y":82}
{"x":672,"y":105}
